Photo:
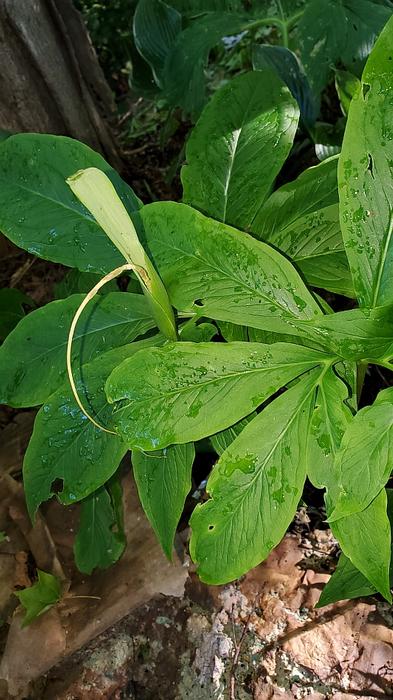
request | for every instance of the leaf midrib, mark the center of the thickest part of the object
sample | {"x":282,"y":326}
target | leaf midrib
{"x":270,"y":300}
{"x":177,"y":392}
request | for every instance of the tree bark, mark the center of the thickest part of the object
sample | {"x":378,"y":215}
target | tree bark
{"x":50,"y":78}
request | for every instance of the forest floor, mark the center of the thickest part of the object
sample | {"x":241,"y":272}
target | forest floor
{"x":147,"y":629}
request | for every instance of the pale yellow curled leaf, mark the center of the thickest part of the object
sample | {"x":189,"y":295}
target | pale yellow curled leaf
{"x":96,"y":192}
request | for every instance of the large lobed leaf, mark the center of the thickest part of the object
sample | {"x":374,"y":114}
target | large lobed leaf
{"x":238,"y":147}
{"x":187,"y":391}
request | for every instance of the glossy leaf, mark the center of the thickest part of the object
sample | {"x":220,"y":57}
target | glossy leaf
{"x":333,"y":31}
{"x":155,"y":28}
{"x":66,"y":446}
{"x":348,"y":582}
{"x":365,"y":537}
{"x":354,"y":335}
{"x":186,"y":391}
{"x":347,"y":85}
{"x":366,"y":179}
{"x":33,"y":356}
{"x":198,"y":333}
{"x":287,"y":66}
{"x":252,"y":284}
{"x":12,"y":309}
{"x":330,"y":420}
{"x":38,"y":211}
{"x":184,"y":73}
{"x":76,"y":282}
{"x":365,"y":459}
{"x":238,"y":147}
{"x":98,"y":542}
{"x":163,"y":479}
{"x":301,"y":219}
{"x":254,"y":488}
{"x":39,"y":597}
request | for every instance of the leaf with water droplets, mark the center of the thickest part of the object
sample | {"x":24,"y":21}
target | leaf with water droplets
{"x":366,"y":178}
{"x":186,"y":391}
{"x":163,"y":479}
{"x":357,"y":334}
{"x":254,"y":488}
{"x":66,"y":446}
{"x":220,"y":272}
{"x":301,"y":219}
{"x":33,"y":356}
{"x":238,"y":147}
{"x":365,"y":459}
{"x":38,"y":211}
{"x":332,"y":32}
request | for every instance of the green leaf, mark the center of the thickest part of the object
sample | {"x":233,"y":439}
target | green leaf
{"x":163,"y":479}
{"x":366,"y":179}
{"x":12,"y":310}
{"x":365,"y":538}
{"x":186,"y":391}
{"x":184,"y":74}
{"x":98,"y":543}
{"x":37,"y":599}
{"x":75,"y":282}
{"x":220,"y":441}
{"x":365,"y":459}
{"x":198,"y":333}
{"x":287,"y":66}
{"x":358,"y":334}
{"x":254,"y":488}
{"x":66,"y":445}
{"x":216,"y":271}
{"x":348,"y":582}
{"x":330,"y":420}
{"x":38,"y":211}
{"x":332,"y":31}
{"x":301,"y":219}
{"x":347,"y":85}
{"x":238,"y":147}
{"x":155,"y":28}
{"x":33,"y":356}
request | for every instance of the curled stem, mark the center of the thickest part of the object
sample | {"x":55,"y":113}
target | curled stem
{"x":89,"y":296}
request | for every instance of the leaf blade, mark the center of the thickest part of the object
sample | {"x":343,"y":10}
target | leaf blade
{"x":254,"y":493}
{"x":185,"y":391}
{"x":163,"y":481}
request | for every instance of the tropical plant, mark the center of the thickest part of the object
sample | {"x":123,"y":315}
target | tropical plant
{"x":279,"y":398}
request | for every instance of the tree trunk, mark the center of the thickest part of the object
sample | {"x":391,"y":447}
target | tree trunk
{"x":50,"y":79}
